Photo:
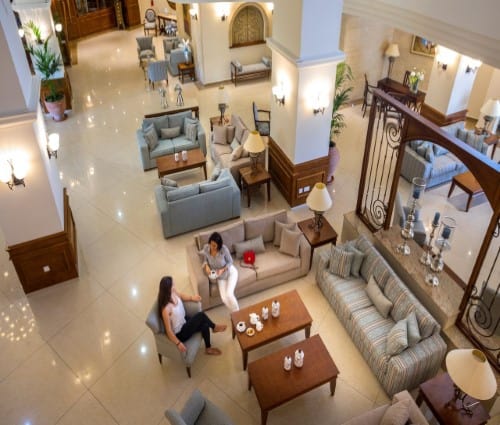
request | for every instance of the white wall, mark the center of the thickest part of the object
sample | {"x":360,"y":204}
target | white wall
{"x":479,"y":89}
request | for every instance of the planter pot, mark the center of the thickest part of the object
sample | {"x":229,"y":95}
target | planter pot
{"x":334,"y":156}
{"x":56,"y":109}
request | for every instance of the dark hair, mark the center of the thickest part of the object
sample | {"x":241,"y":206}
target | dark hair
{"x":217,"y":238}
{"x":165,"y":293}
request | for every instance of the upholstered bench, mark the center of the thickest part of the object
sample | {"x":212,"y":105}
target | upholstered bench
{"x":251,"y":71}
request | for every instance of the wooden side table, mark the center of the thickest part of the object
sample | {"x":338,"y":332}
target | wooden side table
{"x":467,"y":182}
{"x":186,"y":69}
{"x":251,"y":178}
{"x":215,"y":121}
{"x":490,"y":139}
{"x":325,"y":235}
{"x":437,"y":392}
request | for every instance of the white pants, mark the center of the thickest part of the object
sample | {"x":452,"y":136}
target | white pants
{"x":226,"y":289}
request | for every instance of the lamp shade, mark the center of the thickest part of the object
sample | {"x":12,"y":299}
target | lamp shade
{"x":53,"y":142}
{"x":392,"y":51}
{"x":254,"y":143}
{"x":491,"y":108}
{"x":222,"y":95}
{"x":319,"y":199}
{"x":471,"y":372}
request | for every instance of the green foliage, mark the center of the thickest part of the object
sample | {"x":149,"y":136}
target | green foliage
{"x":35,"y":30}
{"x":47,"y":62}
{"x":342,"y":94}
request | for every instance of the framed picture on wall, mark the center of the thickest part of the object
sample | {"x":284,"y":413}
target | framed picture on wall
{"x":422,"y":46}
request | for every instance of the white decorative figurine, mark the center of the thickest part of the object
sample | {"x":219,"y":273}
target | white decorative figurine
{"x":299,"y":358}
{"x":275,"y":308}
{"x":287,"y":363}
{"x":265,"y":313}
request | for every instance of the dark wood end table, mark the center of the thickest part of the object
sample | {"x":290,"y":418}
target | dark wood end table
{"x":167,"y":164}
{"x":467,"y":182}
{"x":250,"y":178}
{"x":293,"y":317}
{"x":274,"y":386}
{"x":215,"y":121}
{"x":186,"y":69}
{"x":437,"y":392}
{"x":325,"y":235}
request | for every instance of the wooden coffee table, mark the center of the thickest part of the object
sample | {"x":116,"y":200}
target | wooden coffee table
{"x":293,"y":317}
{"x":467,"y":182}
{"x":274,"y":386}
{"x":325,"y":235}
{"x":437,"y":392}
{"x":250,"y":178}
{"x":167,"y":164}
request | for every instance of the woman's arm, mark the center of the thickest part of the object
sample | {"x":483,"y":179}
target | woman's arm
{"x":205,"y":266}
{"x":165,"y":314}
{"x":185,"y":297}
{"x":227,"y":256}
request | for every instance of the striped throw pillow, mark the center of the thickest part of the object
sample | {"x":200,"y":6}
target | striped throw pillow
{"x":340,"y":262}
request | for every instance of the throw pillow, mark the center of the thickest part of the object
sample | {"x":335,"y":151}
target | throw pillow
{"x":165,"y":181}
{"x":357,"y":260}
{"x":340,"y":262}
{"x":230,"y":129}
{"x":439,"y":150}
{"x":170,"y":133}
{"x":191,"y":132}
{"x":429,"y":153}
{"x":413,"y":331}
{"x":290,"y":242}
{"x":397,"y":414}
{"x":239,"y":128}
{"x":234,"y":145}
{"x":381,"y":303}
{"x":278,"y":227}
{"x":151,"y":137}
{"x":237,"y":153}
{"x":422,"y":148}
{"x":215,"y":173}
{"x":256,"y":245}
{"x":220,"y":135}
{"x":186,"y":121}
{"x":397,"y":338}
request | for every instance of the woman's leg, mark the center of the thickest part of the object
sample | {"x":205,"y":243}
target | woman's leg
{"x":200,"y":322}
{"x":226,"y":289}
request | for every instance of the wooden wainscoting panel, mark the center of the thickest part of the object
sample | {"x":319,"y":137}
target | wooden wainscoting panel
{"x":295,"y":181}
{"x":132,"y":12}
{"x":439,"y":118}
{"x":48,"y":260}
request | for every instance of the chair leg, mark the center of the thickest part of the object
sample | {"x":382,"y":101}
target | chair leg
{"x":159,"y":358}
{"x":188,"y":370}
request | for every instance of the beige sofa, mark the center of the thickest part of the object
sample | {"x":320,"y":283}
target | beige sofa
{"x":373,"y":417}
{"x":273,"y":266}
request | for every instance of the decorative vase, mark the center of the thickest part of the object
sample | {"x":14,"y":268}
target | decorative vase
{"x":298,"y":359}
{"x":287,"y":363}
{"x":186,"y":56}
{"x":334,"y":158}
{"x":414,"y":87}
{"x":275,"y":308}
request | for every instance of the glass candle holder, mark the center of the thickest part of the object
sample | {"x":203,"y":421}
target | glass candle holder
{"x":442,"y":243}
{"x":414,"y":204}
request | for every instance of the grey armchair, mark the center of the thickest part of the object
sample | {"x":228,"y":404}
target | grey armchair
{"x":400,"y":213}
{"x":157,"y":71}
{"x":198,"y":411}
{"x":145,"y":49}
{"x":167,"y":348}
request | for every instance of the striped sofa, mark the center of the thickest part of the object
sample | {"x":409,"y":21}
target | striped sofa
{"x":369,"y":329}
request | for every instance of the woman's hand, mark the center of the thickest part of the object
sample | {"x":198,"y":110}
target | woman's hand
{"x":196,"y":298}
{"x":221,"y":271}
{"x":181,"y":347}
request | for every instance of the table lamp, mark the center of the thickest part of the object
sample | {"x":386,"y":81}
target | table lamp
{"x":471,"y":375}
{"x":318,"y":201}
{"x":490,"y":111}
{"x":392,"y":52}
{"x":254,"y":145}
{"x":222,"y":99}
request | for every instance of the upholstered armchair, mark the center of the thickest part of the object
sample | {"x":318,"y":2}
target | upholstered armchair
{"x":262,"y":125}
{"x":145,"y":49}
{"x":150,"y":22}
{"x":167,"y":348}
{"x":198,"y":411}
{"x":400,"y":214}
{"x":157,"y":71}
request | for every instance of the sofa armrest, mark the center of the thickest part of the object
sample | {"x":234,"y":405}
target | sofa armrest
{"x":323,"y":263}
{"x":143,"y":149}
{"x":199,"y":281}
{"x":414,"y":165}
{"x":416,"y":416}
{"x":202,"y":139}
{"x":305,"y":255}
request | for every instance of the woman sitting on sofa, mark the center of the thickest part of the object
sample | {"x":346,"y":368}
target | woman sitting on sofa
{"x":219,"y":265}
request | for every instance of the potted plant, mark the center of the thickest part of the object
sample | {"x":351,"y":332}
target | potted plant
{"x":47,"y":62}
{"x":35,"y":31}
{"x":342,"y":93}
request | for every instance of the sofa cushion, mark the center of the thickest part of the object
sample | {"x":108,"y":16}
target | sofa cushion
{"x":380,"y":301}
{"x":151,"y":137}
{"x":397,"y":338}
{"x":232,"y":233}
{"x":357,"y":260}
{"x":290,"y":242}
{"x":177,"y":120}
{"x":237,"y":153}
{"x":191,"y":130}
{"x":165,"y":181}
{"x":397,"y":414}
{"x":439,"y":150}
{"x":165,"y":147}
{"x":462,"y":134}
{"x":255,"y":244}
{"x":158,"y":122}
{"x":220,"y":135}
{"x":263,"y":225}
{"x":273,"y":262}
{"x":278,"y":227}
{"x":170,"y":133}
{"x":413,"y":331}
{"x":442,"y":165}
{"x":230,"y":133}
{"x":183,"y":192}
{"x":429,"y":153}
{"x":422,"y":148}
{"x":234,"y":145}
{"x":340,"y":261}
{"x":220,"y":150}
{"x":209,"y":186}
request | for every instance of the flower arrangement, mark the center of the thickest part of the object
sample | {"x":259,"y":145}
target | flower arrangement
{"x":415,"y":78}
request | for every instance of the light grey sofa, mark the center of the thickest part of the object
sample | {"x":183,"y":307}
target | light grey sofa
{"x":369,"y":329}
{"x":273,"y":266}
{"x":374,"y":416}
{"x":198,"y":411}
{"x":437,"y":165}
{"x":221,"y":148}
{"x":149,"y":151}
{"x":198,"y":205}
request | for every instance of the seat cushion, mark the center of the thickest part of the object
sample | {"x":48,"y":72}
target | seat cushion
{"x":442,"y":165}
{"x":165,"y":147}
{"x":272,"y":263}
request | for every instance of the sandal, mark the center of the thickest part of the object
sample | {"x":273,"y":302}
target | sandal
{"x":213,"y":351}
{"x":220,"y":328}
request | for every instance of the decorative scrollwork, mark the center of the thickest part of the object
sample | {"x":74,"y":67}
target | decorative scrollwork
{"x":393,"y":134}
{"x":378,"y":212}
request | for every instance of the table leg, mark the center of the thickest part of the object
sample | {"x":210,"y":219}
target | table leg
{"x":494,"y":149}
{"x":263,"y":417}
{"x":333,"y":384}
{"x":468,"y":202}
{"x":249,"y":383}
{"x":311,"y":259}
{"x":308,"y":331}
{"x":269,"y":190}
{"x":248,"y":194}
{"x":245,"y":359}
{"x":451,"y":188}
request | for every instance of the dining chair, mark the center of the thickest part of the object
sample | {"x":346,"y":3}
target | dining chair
{"x":367,"y":96}
{"x":150,"y":22}
{"x":157,"y":71}
{"x":406,"y":79}
{"x":263,"y":126}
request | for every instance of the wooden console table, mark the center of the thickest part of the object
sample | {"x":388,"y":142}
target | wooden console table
{"x":443,"y":300}
{"x":391,"y":86}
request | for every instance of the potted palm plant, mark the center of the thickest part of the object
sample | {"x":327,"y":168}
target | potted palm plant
{"x":48,"y":62}
{"x":342,"y":94}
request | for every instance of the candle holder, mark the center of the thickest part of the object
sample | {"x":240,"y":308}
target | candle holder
{"x":426,"y":257}
{"x":163,"y":97}
{"x":417,"y":191}
{"x":443,"y":243}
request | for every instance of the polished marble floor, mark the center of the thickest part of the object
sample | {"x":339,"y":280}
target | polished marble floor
{"x":79,"y":352}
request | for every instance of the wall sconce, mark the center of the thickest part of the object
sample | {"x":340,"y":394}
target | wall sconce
{"x":12,"y":175}
{"x":444,"y":57}
{"x":58,"y":27}
{"x":442,"y":65}
{"x":473,"y":66}
{"x":279,"y":94}
{"x":320,"y":104}
{"x":193,"y":13}
{"x":223,"y":17}
{"x":20,"y":31}
{"x":222,"y":11}
{"x":270,"y":6}
{"x":53,"y":144}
